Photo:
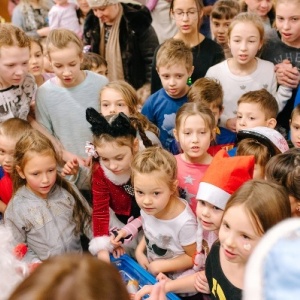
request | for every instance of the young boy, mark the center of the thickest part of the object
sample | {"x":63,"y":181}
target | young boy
{"x":174,"y":65}
{"x":221,"y":16}
{"x":255,"y":108}
{"x":209,"y":92}
{"x":95,"y":63}
{"x":11,"y":131}
{"x":295,"y":127}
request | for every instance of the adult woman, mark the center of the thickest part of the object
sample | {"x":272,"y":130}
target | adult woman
{"x":206,"y":53}
{"x":122,"y":34}
{"x":32,"y":17}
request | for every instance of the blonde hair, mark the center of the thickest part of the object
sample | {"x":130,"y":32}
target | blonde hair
{"x":174,"y":52}
{"x":73,"y":277}
{"x":195,"y":109}
{"x":61,"y":38}
{"x":11,"y":35}
{"x":129,"y":95}
{"x":264,"y":99}
{"x":14,"y":128}
{"x":35,"y":143}
{"x":156,"y":159}
{"x":295,"y":111}
{"x":260,"y":152}
{"x":266,"y":203}
{"x":206,"y":91}
{"x":248,"y":18}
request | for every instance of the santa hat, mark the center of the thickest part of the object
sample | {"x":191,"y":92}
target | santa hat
{"x":223,"y":177}
{"x":269,"y":137}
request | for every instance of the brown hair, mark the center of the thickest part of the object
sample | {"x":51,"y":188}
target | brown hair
{"x":248,"y":18}
{"x":92,"y":60}
{"x":206,"y":91}
{"x":35,"y":143}
{"x":14,"y":128}
{"x":264,"y":99}
{"x":60,"y":39}
{"x":156,"y":159}
{"x":295,"y":112}
{"x":284,"y":169}
{"x":11,"y":35}
{"x":195,"y":109}
{"x":225,"y":9}
{"x":72,"y":277}
{"x":199,"y":6}
{"x":172,"y":52}
{"x":267,"y":203}
{"x":38,"y":42}
{"x":130,"y":97}
{"x":260,"y":152}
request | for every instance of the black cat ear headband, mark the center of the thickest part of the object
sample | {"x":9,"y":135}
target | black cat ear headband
{"x":120,"y":126}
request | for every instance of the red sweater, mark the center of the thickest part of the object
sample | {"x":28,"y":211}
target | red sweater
{"x":5,"y":186}
{"x":107,"y":194}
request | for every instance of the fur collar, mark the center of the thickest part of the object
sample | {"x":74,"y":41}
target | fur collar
{"x":115,"y":179}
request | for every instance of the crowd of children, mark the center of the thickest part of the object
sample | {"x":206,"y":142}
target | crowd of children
{"x":186,"y":177}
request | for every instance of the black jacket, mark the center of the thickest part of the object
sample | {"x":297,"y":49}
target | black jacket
{"x":138,"y":41}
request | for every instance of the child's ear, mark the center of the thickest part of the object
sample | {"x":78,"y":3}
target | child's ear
{"x":136,"y":145}
{"x":175,"y":185}
{"x":271,"y":123}
{"x":213,"y":134}
{"x":221,"y":110}
{"x":175,"y":134}
{"x":298,"y":209}
{"x":20,"y":172}
{"x":191,"y":71}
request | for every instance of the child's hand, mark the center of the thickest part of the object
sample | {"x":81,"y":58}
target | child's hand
{"x":70,"y":168}
{"x":119,"y":251}
{"x":201,"y":284}
{"x":162,"y":276}
{"x":286,"y":74}
{"x":145,"y":290}
{"x":158,"y":291}
{"x":142,"y":260}
{"x":121,"y":234}
{"x":231,"y":124}
{"x":104,"y":255}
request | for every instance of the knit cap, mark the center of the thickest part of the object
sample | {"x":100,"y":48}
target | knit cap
{"x":100,"y":3}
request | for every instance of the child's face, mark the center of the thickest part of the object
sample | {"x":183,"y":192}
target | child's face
{"x":13,"y":65}
{"x":259,"y":7}
{"x":7,"y":150}
{"x":250,"y":115}
{"x":238,"y":235}
{"x":115,"y":158}
{"x":112,"y":102}
{"x":244,"y":43}
{"x":61,"y":2}
{"x":216,"y":112}
{"x":258,"y":172}
{"x":40,"y":173}
{"x":288,"y":22}
{"x":83,"y":5}
{"x":174,"y":79}
{"x":219,"y":29}
{"x":295,"y":130}
{"x":36,"y":61}
{"x":209,"y":215}
{"x":102,"y":70}
{"x":152,"y":193}
{"x":194,"y":137}
{"x":66,"y":65}
{"x":186,"y":24}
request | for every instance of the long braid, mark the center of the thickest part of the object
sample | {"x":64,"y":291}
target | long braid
{"x":138,"y":126}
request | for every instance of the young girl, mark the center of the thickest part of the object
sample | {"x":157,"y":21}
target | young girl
{"x":17,"y":87}
{"x":206,"y":53}
{"x":194,"y":130}
{"x":32,"y":17}
{"x":11,"y":131}
{"x":168,"y":222}
{"x":245,"y":72}
{"x":115,"y":143}
{"x":36,"y":62}
{"x":284,"y":169}
{"x":45,"y":212}
{"x":63,"y":15}
{"x":119,"y":96}
{"x":266,"y":10}
{"x":223,"y":11}
{"x":284,"y":52}
{"x":295,"y":126}
{"x":250,"y":212}
{"x":214,"y":192}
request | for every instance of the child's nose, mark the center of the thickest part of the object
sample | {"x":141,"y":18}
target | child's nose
{"x":205,"y":212}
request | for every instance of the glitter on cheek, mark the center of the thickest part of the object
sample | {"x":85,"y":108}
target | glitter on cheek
{"x":247,"y":247}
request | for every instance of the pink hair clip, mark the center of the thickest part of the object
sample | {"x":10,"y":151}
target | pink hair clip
{"x":90,"y":149}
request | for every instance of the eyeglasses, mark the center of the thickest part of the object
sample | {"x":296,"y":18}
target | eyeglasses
{"x":191,"y":14}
